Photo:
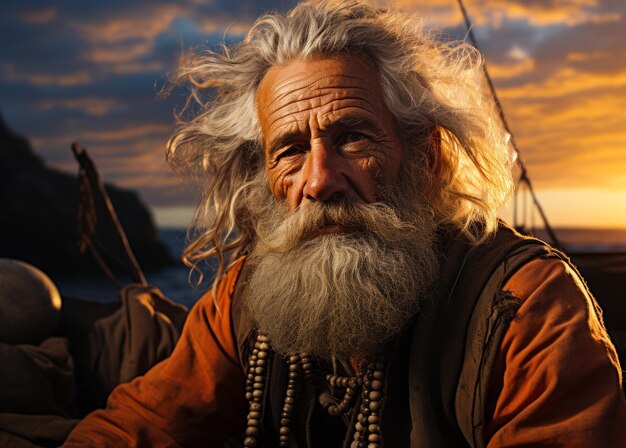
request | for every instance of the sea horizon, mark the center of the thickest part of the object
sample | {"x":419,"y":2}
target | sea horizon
{"x":176,"y":284}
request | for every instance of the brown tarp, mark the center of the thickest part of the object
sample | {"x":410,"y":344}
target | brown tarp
{"x":46,"y":388}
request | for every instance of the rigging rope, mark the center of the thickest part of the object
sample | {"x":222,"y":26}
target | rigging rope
{"x":90,"y":187}
{"x":524,"y":173}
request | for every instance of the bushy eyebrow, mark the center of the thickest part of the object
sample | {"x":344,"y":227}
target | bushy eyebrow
{"x":351,"y":121}
{"x":355,"y":121}
{"x":283,"y":140}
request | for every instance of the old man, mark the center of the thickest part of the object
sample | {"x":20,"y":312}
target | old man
{"x":366,"y":295}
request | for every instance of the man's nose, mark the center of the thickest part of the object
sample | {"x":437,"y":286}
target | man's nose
{"x":324,"y":180}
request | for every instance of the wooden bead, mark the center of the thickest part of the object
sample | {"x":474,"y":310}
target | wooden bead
{"x":375,"y":395}
{"x":252,"y":431}
{"x":377,"y":385}
{"x":375,"y":405}
{"x":249,"y":442}
{"x":257,"y":393}
{"x":254,"y":422}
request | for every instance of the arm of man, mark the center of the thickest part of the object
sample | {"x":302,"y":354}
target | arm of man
{"x":193,"y":398}
{"x":561,"y":379}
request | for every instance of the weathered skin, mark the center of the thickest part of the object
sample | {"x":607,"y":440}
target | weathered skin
{"x":327,"y":132}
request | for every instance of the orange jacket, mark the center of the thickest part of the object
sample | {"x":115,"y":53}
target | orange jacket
{"x":558,"y":377}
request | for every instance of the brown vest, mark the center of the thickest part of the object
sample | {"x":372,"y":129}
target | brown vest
{"x":439,"y":368}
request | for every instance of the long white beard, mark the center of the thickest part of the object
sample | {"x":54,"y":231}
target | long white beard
{"x":343,"y":294}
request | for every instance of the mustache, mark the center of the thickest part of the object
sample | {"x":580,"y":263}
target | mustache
{"x":316,"y":219}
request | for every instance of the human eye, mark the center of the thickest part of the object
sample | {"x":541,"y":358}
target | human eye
{"x":289,"y":152}
{"x":352,"y":137}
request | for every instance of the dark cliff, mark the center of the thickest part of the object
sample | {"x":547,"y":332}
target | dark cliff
{"x":38,"y":216}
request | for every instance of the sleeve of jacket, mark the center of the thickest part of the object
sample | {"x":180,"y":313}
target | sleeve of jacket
{"x":560,"y":376}
{"x":193,"y":398}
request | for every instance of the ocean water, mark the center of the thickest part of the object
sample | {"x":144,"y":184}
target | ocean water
{"x":175,"y":282}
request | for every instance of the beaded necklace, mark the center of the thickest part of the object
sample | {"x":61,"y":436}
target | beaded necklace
{"x":370,"y":381}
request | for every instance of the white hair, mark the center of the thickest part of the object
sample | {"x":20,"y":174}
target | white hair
{"x":432,"y":87}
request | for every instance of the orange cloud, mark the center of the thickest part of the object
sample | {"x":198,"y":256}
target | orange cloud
{"x":119,"y":53}
{"x":90,"y":105}
{"x":212,"y":25}
{"x":61,"y":80}
{"x":566,"y":81}
{"x":570,"y":12}
{"x":499,"y":71}
{"x":495,"y":13}
{"x":39,"y":16}
{"x":151,"y":21}
{"x":76,"y":78}
{"x":576,"y":56}
{"x":574,"y":140}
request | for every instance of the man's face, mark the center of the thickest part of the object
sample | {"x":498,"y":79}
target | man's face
{"x":355,"y":251}
{"x":327,"y":132}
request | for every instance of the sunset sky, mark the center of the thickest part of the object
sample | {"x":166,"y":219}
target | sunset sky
{"x":91,"y":71}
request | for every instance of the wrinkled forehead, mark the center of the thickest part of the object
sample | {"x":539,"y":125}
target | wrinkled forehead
{"x":321,"y":86}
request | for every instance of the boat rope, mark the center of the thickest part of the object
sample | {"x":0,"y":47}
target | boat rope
{"x":524,"y":179}
{"x":91,"y":185}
